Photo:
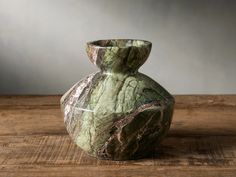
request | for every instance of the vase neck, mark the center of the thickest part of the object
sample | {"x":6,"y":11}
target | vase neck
{"x":119,"y":56}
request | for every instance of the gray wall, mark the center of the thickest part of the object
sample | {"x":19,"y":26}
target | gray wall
{"x":42,"y":42}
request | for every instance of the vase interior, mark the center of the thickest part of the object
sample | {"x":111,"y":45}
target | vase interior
{"x":120,"y":43}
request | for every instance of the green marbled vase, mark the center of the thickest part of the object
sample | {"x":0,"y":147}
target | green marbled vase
{"x":117,"y":113}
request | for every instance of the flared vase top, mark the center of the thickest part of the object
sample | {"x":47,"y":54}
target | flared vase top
{"x":118,"y":55}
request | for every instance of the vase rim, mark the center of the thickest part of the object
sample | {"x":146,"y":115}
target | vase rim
{"x":118,"y":43}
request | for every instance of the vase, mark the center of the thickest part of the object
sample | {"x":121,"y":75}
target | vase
{"x":117,"y":113}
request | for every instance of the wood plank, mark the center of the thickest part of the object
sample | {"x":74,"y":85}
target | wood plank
{"x":29,"y":101}
{"x":204,"y":121}
{"x":174,"y":151}
{"x":115,"y":171}
{"x":31,"y":121}
{"x":56,"y":155}
{"x":198,"y":121}
{"x":201,"y":142}
{"x":194,"y":101}
{"x":194,"y":115}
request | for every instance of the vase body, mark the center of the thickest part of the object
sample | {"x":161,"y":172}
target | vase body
{"x":117,"y":113}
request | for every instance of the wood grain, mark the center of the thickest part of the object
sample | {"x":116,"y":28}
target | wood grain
{"x":201,"y":142}
{"x":194,"y":115}
{"x":174,"y":151}
{"x":117,"y":171}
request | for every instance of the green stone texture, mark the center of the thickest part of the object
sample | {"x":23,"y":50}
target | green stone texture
{"x":117,"y":113}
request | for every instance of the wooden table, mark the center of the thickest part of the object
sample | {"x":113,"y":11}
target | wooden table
{"x":201,"y":142}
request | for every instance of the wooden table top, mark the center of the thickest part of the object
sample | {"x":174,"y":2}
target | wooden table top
{"x":201,"y":141}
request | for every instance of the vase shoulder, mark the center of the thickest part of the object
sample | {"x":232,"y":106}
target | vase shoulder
{"x":102,"y":107}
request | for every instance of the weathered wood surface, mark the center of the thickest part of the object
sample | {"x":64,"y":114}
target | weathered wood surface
{"x":201,"y":142}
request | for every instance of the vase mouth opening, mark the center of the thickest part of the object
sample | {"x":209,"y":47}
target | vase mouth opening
{"x":119,"y":43}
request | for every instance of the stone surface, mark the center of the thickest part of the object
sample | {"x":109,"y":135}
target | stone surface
{"x":117,"y":113}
